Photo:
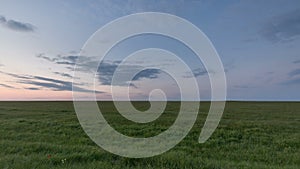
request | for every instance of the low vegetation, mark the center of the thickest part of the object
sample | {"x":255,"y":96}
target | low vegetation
{"x":250,"y":135}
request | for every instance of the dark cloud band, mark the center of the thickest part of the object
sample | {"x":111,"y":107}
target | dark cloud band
{"x":42,"y":83}
{"x":17,"y":25}
{"x":105,"y":71}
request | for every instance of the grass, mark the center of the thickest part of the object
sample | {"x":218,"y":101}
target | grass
{"x":250,"y":135}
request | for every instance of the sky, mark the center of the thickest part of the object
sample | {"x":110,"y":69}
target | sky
{"x":258,"y":43}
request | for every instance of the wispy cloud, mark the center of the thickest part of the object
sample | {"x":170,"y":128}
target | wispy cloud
{"x":32,"y":88}
{"x":15,"y":75}
{"x":105,"y":71}
{"x":45,"y":83}
{"x":63,"y":74}
{"x":59,"y":59}
{"x":294,"y":78}
{"x":296,"y":61}
{"x":295,"y":81}
{"x":2,"y":19}
{"x":282,"y":28}
{"x":69,"y":62}
{"x":7,"y":86}
{"x":147,"y":74}
{"x":294,"y":72}
{"x":43,"y":56}
{"x":55,"y":85}
{"x":196,"y":73}
{"x":16,"y":25}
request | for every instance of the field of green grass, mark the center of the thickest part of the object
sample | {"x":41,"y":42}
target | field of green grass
{"x":250,"y":135}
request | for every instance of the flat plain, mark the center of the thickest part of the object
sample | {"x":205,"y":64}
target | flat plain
{"x":250,"y":135}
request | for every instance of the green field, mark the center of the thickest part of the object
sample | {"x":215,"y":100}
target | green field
{"x":250,"y":135}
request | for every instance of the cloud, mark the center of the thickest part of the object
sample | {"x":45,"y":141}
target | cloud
{"x":59,"y":59}
{"x":282,"y":28}
{"x":147,"y":74}
{"x":42,"y":56}
{"x":294,"y":78}
{"x":66,"y":63}
{"x":2,"y":19}
{"x":7,"y":86}
{"x":32,"y":88}
{"x":17,"y":25}
{"x":87,"y":64}
{"x":294,"y":72}
{"x":105,"y":71}
{"x":15,"y":75}
{"x":42,"y":83}
{"x":295,"y":81}
{"x":63,"y":74}
{"x":55,"y":85}
{"x":1,"y":65}
{"x":196,"y":73}
{"x":296,"y":61}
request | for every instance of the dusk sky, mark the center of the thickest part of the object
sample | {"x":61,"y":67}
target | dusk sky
{"x":257,"y":41}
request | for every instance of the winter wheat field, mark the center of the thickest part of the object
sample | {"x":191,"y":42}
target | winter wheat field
{"x":250,"y":135}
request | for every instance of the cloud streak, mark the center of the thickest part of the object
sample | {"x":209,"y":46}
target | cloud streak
{"x":282,"y":28}
{"x":32,"y":88}
{"x":294,"y":72}
{"x":294,"y":78}
{"x":15,"y":75}
{"x":105,"y":71}
{"x":42,"y":83}
{"x":196,"y":73}
{"x":296,"y":61}
{"x":59,"y":59}
{"x":295,"y":81}
{"x":16,"y":25}
{"x":7,"y":86}
{"x":55,"y":85}
{"x":63,"y":74}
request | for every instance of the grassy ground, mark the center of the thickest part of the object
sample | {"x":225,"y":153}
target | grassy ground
{"x":250,"y":135}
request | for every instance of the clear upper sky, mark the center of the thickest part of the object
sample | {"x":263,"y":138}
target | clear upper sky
{"x":258,"y":43}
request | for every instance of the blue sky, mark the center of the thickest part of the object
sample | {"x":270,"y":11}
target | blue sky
{"x":258,"y":43}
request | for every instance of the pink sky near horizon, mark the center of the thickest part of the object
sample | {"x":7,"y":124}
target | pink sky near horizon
{"x":23,"y":94}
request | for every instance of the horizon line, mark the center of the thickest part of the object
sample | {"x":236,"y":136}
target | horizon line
{"x":204,"y":100}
